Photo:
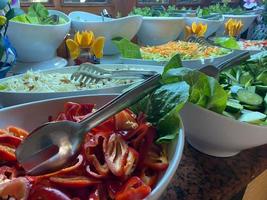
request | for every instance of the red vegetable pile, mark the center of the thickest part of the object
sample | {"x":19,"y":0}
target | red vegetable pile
{"x":118,"y":160}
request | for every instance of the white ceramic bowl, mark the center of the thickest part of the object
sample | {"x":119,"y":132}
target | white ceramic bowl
{"x":126,"y":27}
{"x":160,"y":30}
{"x":39,"y":112}
{"x":37,"y":43}
{"x":247,"y":20}
{"x":14,"y":98}
{"x":213,"y":25}
{"x":217,"y":135}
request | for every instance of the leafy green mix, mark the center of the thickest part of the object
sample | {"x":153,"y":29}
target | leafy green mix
{"x":38,"y":14}
{"x":179,"y":85}
{"x":247,"y":88}
{"x":158,"y":11}
{"x":221,"y":9}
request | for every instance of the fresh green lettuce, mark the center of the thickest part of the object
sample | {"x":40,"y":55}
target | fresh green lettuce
{"x":230,"y":42}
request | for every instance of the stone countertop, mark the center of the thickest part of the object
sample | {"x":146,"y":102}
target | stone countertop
{"x":203,"y":177}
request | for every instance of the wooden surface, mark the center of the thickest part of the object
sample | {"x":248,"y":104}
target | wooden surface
{"x":257,"y":189}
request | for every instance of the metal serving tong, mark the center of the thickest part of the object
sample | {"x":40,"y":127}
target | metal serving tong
{"x":235,"y":58}
{"x":90,"y":73}
{"x":51,"y":146}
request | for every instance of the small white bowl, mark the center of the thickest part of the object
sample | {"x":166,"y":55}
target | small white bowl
{"x":160,"y":30}
{"x":39,"y":112}
{"x":37,"y":43}
{"x":217,"y":135}
{"x":126,"y":27}
{"x":213,"y":25}
{"x":247,"y":20}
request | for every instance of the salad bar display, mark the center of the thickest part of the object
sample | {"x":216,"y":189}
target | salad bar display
{"x":188,"y":74}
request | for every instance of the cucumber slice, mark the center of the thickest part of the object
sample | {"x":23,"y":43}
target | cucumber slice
{"x":252,"y":117}
{"x":251,"y":107}
{"x":249,"y":98}
{"x":233,"y":107}
{"x":227,"y":114}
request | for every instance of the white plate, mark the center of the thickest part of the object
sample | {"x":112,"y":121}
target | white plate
{"x":14,"y":98}
{"x":39,"y":112}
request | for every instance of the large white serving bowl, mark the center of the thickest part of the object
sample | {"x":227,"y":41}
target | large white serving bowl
{"x":160,"y":30}
{"x":37,"y":43}
{"x":31,"y":115}
{"x":14,"y":98}
{"x":247,"y":20}
{"x":217,"y":135}
{"x":213,"y":25}
{"x":125,"y":27}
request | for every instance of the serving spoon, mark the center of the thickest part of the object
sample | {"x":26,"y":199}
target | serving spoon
{"x":51,"y":146}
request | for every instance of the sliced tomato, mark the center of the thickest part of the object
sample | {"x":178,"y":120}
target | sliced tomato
{"x":125,"y":120}
{"x":133,"y":189}
{"x":10,"y":140}
{"x":17,"y":188}
{"x":47,"y":193}
{"x":18,"y":132}
{"x":74,"y":181}
{"x":7,"y":153}
{"x":116,"y":152}
{"x":156,"y":158}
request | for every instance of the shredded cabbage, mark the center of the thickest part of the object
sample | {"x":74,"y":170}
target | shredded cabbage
{"x":54,"y":82}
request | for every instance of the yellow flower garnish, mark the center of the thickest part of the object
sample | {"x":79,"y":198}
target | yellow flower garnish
{"x":97,"y":47}
{"x":2,"y":20}
{"x":73,"y":48}
{"x":84,"y":39}
{"x":233,"y":27}
{"x":198,"y":30}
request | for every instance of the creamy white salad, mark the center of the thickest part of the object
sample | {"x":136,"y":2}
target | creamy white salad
{"x":54,"y":82}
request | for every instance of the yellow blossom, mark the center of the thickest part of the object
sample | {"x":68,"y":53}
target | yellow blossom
{"x":198,"y":30}
{"x":97,"y":47}
{"x":73,"y":48}
{"x":84,"y":39}
{"x":233,"y":27}
{"x":2,"y":20}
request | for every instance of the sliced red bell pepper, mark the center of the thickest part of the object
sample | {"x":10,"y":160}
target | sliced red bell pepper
{"x":7,"y":153}
{"x":133,"y":189}
{"x":18,"y":132}
{"x":74,"y":181}
{"x":116,"y":152}
{"x":125,"y":120}
{"x":113,"y":186}
{"x":98,"y":193}
{"x":156,"y":158}
{"x":106,"y":127}
{"x":131,"y":162}
{"x":47,"y":193}
{"x":101,"y":171}
{"x":10,"y":140}
{"x":149,"y":176}
{"x":17,"y":188}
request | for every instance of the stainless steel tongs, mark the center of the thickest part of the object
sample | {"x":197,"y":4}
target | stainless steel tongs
{"x":51,"y":146}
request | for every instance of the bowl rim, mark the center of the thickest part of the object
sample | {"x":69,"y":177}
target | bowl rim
{"x":148,"y":18}
{"x":177,"y":154}
{"x":112,"y":20}
{"x":205,"y":20}
{"x":241,"y":16}
{"x":47,"y":25}
{"x":222,"y":117}
{"x":65,"y":70}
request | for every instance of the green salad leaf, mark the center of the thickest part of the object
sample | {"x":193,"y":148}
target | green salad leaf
{"x":127,"y":48}
{"x":38,"y":14}
{"x":230,"y":42}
